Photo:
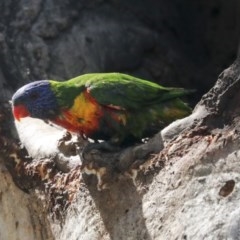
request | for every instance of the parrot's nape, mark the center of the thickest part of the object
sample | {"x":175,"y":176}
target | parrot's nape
{"x":103,"y":106}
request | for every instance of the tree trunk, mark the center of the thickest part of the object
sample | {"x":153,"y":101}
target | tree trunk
{"x":183,"y":183}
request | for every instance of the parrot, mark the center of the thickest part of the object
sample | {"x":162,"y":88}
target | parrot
{"x":113,"y":107}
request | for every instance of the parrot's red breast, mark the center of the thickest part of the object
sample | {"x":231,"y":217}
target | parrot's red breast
{"x":85,"y":115}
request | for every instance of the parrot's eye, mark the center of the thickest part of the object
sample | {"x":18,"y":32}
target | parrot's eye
{"x":33,"y":96}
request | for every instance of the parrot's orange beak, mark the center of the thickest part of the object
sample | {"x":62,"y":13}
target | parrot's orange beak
{"x":19,"y":112}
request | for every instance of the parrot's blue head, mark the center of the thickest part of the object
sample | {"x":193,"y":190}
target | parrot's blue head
{"x":35,"y":100}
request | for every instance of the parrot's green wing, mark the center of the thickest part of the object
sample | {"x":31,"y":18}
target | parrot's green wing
{"x":127,"y":92}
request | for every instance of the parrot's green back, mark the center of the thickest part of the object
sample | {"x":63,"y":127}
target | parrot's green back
{"x":118,"y":106}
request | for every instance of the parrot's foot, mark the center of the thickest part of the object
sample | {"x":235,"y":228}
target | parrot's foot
{"x":103,"y":147}
{"x":66,"y":146}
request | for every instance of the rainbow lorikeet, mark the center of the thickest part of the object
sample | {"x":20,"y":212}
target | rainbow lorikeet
{"x":102,"y":106}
